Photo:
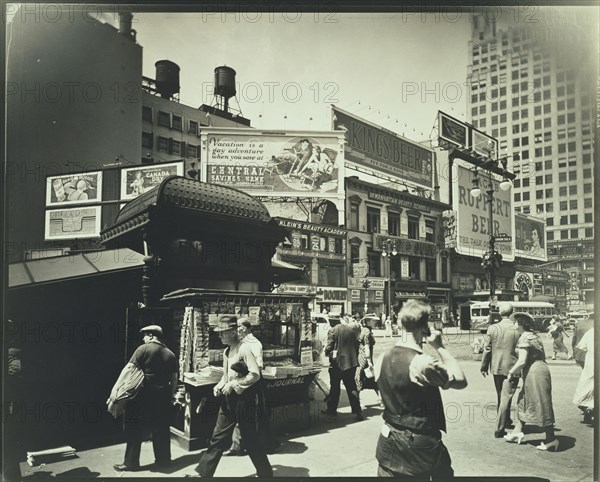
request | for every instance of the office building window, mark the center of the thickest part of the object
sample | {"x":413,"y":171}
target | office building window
{"x":573,"y":190}
{"x":146,"y":114}
{"x":393,"y":223}
{"x":562,"y":191}
{"x":589,"y":232}
{"x":430,"y":231}
{"x":147,"y":139}
{"x":331,"y":275}
{"x":355,"y":253}
{"x":549,"y":221}
{"x":539,"y":194}
{"x":163,"y":144}
{"x":574,"y":219}
{"x":526,"y":196}
{"x":563,"y":205}
{"x":573,"y":204}
{"x":589,"y":217}
{"x":550,"y":235}
{"x":193,"y":151}
{"x":373,"y":220}
{"x":374,"y":263}
{"x":354,"y":218}
{"x":414,"y":267}
{"x":548,"y":179}
{"x":517,"y":197}
{"x":574,"y":233}
{"x":177,"y":124}
{"x":413,"y":227}
{"x":588,"y":203}
{"x":176,"y":147}
{"x":164,"y":119}
{"x":564,"y":220}
{"x":430,"y":270}
{"x":193,"y":128}
{"x":549,"y":207}
{"x":564,"y":234}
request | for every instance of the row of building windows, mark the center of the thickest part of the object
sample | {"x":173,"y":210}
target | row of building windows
{"x":393,"y":227}
{"x":171,"y":146}
{"x":172,"y":121}
{"x":570,"y":233}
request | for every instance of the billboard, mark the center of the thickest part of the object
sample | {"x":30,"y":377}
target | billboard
{"x":140,"y":179}
{"x":483,"y":144}
{"x":530,"y":238}
{"x":72,"y":223}
{"x":306,"y":164}
{"x":82,"y":188}
{"x":472,"y":230}
{"x":384,"y":151}
{"x":453,"y":131}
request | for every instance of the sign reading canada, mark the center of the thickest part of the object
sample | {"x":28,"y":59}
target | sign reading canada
{"x":384,"y":151}
{"x":274,"y":163}
{"x":473,"y":229}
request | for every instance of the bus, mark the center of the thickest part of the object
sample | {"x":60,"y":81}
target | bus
{"x":539,"y":310}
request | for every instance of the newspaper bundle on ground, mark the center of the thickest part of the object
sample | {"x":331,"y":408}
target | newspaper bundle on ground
{"x":50,"y":455}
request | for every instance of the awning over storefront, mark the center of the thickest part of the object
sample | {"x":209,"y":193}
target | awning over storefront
{"x":59,"y":268}
{"x":285,"y":272}
{"x":410,"y":295}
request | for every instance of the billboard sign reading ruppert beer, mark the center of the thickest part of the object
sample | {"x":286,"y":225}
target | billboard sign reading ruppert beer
{"x":472,"y":226}
{"x":381,"y":150}
{"x":274,"y":163}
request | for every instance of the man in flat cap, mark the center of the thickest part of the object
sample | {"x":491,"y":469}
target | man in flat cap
{"x":150,"y":410}
{"x":238,"y":404}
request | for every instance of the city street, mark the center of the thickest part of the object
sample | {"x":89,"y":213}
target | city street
{"x":470,"y":419}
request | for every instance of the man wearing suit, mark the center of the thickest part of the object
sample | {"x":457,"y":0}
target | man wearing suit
{"x":342,"y":349}
{"x":499,"y":356}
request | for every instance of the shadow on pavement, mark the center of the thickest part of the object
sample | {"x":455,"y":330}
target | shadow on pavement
{"x":286,"y":471}
{"x":42,"y":474}
{"x":79,"y":473}
{"x":183,"y":462}
{"x":291,"y":447}
{"x":565,"y":442}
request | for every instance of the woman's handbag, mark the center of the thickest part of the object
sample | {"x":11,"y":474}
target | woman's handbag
{"x":125,"y":390}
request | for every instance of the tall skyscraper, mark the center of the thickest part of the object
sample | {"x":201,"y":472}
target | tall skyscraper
{"x":533,"y":86}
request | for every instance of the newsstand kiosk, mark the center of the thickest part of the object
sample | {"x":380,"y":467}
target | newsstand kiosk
{"x":208,"y":251}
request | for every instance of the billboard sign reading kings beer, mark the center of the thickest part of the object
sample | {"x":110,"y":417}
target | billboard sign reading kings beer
{"x":381,"y":150}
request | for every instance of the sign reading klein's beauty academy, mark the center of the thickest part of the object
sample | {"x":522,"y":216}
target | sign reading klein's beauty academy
{"x":307,"y":164}
{"x":472,"y":225}
{"x":382,"y":150}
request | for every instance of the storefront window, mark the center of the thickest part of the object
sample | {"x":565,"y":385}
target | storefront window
{"x":393,"y":223}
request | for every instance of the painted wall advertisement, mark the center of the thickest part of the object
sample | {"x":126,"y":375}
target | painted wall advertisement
{"x":530,"y":237}
{"x":140,"y":179}
{"x":72,"y":223}
{"x":83,"y":188}
{"x":473,"y":230}
{"x":274,"y":163}
{"x":381,"y":150}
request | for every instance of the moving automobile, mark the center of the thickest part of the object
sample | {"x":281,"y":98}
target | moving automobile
{"x":540,"y":311}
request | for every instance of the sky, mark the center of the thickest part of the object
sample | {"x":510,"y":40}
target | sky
{"x":395,"y":70}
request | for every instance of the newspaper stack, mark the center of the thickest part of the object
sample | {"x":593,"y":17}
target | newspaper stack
{"x":50,"y":455}
{"x":205,"y":376}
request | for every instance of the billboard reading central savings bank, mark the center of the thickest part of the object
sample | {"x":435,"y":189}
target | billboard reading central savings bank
{"x":472,"y":225}
{"x":269,"y":163}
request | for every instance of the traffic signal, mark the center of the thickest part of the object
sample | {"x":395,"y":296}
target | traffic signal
{"x":366,"y":283}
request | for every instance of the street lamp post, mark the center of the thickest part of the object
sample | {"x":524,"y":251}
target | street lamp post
{"x":491,"y":258}
{"x":389,"y":250}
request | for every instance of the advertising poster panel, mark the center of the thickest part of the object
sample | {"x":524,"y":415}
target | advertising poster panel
{"x":453,"y":131}
{"x":472,"y":227}
{"x":82,"y":188}
{"x":72,"y":223}
{"x":307,"y":164}
{"x":140,"y":179}
{"x":376,"y":148}
{"x":530,"y":240}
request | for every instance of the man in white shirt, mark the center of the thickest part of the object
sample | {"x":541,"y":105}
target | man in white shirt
{"x":237,"y":404}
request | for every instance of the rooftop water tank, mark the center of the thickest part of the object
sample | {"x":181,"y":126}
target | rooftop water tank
{"x":225,"y":82}
{"x":167,"y":78}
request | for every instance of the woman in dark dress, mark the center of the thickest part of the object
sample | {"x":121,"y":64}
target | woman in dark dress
{"x":535,"y":398}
